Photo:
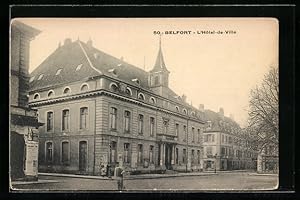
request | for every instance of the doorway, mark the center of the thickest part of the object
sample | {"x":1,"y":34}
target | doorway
{"x":168,"y":156}
{"x":82,"y":156}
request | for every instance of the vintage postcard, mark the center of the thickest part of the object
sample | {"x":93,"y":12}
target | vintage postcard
{"x":144,"y":104}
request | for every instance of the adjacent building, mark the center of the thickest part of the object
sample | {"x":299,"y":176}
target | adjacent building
{"x":100,"y":111}
{"x":225,"y":147}
{"x":23,"y":120}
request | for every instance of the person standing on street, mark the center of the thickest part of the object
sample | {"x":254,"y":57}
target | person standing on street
{"x":119,"y":175}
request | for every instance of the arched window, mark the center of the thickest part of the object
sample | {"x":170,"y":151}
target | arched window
{"x":84,"y":87}
{"x":177,"y":108}
{"x":36,"y":96}
{"x":113,"y":87}
{"x":141,"y":96}
{"x":67,"y":90}
{"x":128,"y":91}
{"x":193,"y":113}
{"x":49,"y":152}
{"x":184,"y":111}
{"x":51,"y":93}
{"x":152,"y":100}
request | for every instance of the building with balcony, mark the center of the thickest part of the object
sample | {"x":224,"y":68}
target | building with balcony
{"x":100,"y":111}
{"x":225,"y":147}
{"x":23,"y":120}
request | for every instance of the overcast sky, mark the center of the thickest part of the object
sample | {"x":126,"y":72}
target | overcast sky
{"x":217,"y":70}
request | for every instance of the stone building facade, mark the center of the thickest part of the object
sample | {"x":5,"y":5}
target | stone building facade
{"x":23,"y":120}
{"x":100,"y":111}
{"x":225,"y":147}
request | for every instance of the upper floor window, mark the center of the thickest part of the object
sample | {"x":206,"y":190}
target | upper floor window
{"x":49,"y":152}
{"x":199,"y":135}
{"x":83,"y":118}
{"x":141,"y":96}
{"x":184,"y":111}
{"x":51,"y":93}
{"x":209,"y":138}
{"x":152,"y":126}
{"x":166,"y":125}
{"x":127,"y":116}
{"x":152,"y":100}
{"x":128,"y":91}
{"x":177,"y":108}
{"x":65,"y":120}
{"x":185,"y":133}
{"x":113,"y":87}
{"x":113,"y":118}
{"x":49,"y":121}
{"x":67,"y":90}
{"x":141,"y":124}
{"x":193,"y":134}
{"x":176,"y":129}
{"x":156,"y":80}
{"x":208,"y":150}
{"x":84,"y":87}
{"x":36,"y":96}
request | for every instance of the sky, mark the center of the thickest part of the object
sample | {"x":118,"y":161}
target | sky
{"x":208,"y":65}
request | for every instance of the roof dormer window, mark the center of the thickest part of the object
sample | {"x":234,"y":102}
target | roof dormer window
{"x":119,"y":65}
{"x":136,"y":80}
{"x":41,"y":76}
{"x":78,"y":67}
{"x":58,"y":72}
{"x":31,"y":79}
{"x":113,"y":71}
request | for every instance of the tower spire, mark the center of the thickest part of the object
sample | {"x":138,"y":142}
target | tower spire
{"x":159,"y":63}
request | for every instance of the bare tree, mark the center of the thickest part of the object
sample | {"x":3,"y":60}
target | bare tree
{"x":264,"y":111}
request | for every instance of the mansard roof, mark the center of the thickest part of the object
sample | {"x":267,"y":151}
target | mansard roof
{"x":221,"y":123}
{"x":94,"y":62}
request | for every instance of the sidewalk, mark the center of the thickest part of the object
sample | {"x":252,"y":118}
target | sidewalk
{"x":130,"y":177}
{"x":13,"y":183}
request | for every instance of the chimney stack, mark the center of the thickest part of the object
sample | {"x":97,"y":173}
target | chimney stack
{"x":67,"y":41}
{"x":221,"y":112}
{"x":89,"y":43}
{"x":183,"y":98}
{"x":201,"y":107}
{"x":231,"y":116}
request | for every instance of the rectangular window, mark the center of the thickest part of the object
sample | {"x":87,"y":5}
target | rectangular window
{"x":126,"y":153}
{"x":212,"y":138}
{"x":65,"y":152}
{"x":184,"y":160}
{"x":151,"y":154}
{"x":230,"y":140}
{"x":205,"y":138}
{"x":113,"y":152}
{"x":166,"y":124}
{"x":152,"y":126}
{"x":176,"y":156}
{"x":65,"y":120}
{"x":222,"y":138}
{"x":83,"y":117}
{"x":127,"y":116}
{"x":208,"y":150}
{"x":140,"y":153}
{"x":49,"y":121}
{"x":185,"y":133}
{"x":176,"y":129}
{"x":49,"y":152}
{"x":193,"y":134}
{"x":113,"y":118}
{"x":198,"y":157}
{"x":223,"y":151}
{"x":199,"y":136}
{"x":193,"y":156}
{"x":141,"y":124}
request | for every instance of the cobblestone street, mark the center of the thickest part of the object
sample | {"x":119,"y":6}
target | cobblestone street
{"x":221,"y":181}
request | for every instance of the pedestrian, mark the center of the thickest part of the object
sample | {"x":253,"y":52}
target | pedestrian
{"x":119,"y":175}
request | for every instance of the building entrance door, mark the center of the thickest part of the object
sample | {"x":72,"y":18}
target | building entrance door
{"x":82,"y":156}
{"x":168,"y":156}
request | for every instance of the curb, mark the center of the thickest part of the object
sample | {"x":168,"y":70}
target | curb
{"x":132,"y":177}
{"x":14,"y":183}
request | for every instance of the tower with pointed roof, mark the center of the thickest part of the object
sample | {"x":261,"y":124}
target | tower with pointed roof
{"x":159,"y":75}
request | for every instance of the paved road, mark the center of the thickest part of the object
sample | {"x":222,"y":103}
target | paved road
{"x":222,"y":181}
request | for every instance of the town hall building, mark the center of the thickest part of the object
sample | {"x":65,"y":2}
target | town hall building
{"x":99,"y":111}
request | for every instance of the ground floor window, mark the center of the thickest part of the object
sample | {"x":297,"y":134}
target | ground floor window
{"x":151,"y":154}
{"x":176,"y":156}
{"x":126,"y":153}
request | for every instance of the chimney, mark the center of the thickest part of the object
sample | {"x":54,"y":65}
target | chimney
{"x":231,"y":116}
{"x":89,"y":43}
{"x":201,"y":107}
{"x":122,"y":58}
{"x":183,"y":98}
{"x":221,"y":112}
{"x":67,"y":41}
